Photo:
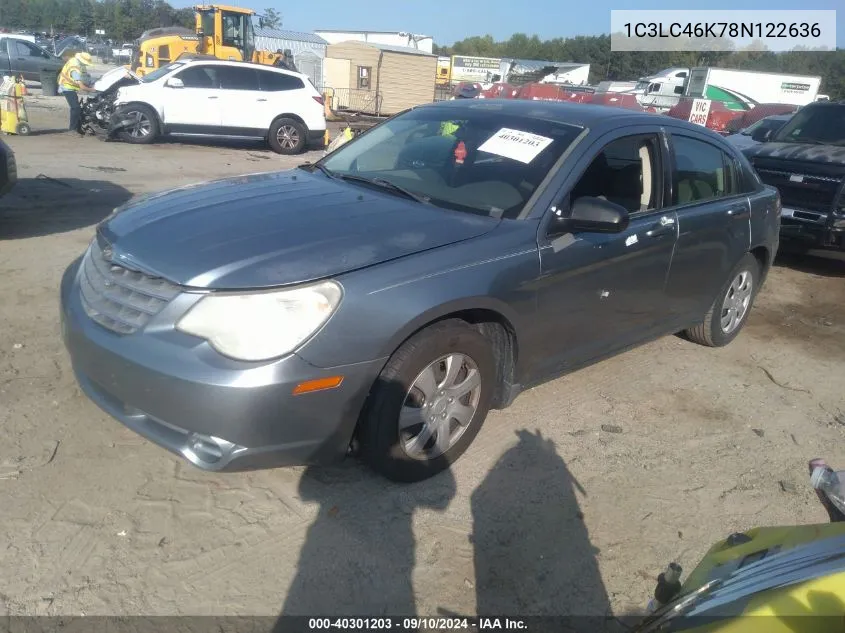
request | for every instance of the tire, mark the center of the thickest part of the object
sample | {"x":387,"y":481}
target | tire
{"x":711,"y":332}
{"x":408,"y":456}
{"x":287,"y":136}
{"x":23,"y":129}
{"x":145,"y":131}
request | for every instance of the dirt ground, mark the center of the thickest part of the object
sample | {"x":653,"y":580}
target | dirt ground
{"x":569,"y":502}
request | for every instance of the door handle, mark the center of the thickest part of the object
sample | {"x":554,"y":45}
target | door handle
{"x":261,"y":99}
{"x":665,"y":224}
{"x":738,"y":212}
{"x":212,"y":97}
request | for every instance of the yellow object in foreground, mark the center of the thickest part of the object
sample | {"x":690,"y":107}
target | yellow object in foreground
{"x":765,"y":580}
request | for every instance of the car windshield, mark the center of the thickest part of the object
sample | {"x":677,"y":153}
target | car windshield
{"x":815,"y":124}
{"x":473,"y":159}
{"x":161,"y":72}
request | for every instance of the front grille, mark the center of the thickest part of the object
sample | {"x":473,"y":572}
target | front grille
{"x":816,"y":192}
{"x":118,"y":298}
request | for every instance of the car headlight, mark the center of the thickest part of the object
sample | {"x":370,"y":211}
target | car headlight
{"x":261,"y":325}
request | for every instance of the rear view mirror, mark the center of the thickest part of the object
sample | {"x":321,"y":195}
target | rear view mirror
{"x":596,"y":215}
{"x":761,"y":135}
{"x":175,"y":82}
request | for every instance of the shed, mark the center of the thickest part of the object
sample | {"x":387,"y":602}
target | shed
{"x":379,"y":78}
{"x":308,"y":49}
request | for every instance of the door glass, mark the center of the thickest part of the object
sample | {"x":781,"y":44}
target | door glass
{"x":622,"y":173}
{"x":232,"y":78}
{"x":25,"y":50}
{"x":233,"y":32}
{"x":699,"y":173}
{"x":276,"y":82}
{"x":199,"y":77}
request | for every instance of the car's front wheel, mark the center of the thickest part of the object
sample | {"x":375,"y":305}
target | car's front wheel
{"x":729,"y":312}
{"x":429,"y":402}
{"x":287,"y":136}
{"x":141,"y":124}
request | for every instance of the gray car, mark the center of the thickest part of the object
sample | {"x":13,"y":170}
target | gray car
{"x":743,"y":139}
{"x":382,"y":300}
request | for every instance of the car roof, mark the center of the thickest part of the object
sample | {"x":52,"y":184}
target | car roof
{"x":582,"y":115}
{"x":237,"y":64}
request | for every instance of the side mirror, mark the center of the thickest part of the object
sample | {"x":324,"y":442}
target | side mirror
{"x":174,"y":82}
{"x":761,"y":135}
{"x":595,"y":215}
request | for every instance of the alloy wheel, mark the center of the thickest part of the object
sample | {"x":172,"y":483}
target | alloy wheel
{"x":737,"y":301}
{"x":439,"y":406}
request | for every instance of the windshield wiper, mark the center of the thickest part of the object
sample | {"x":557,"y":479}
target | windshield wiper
{"x":386,"y":184}
{"x":312,"y":166}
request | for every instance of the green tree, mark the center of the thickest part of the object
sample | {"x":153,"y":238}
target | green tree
{"x":271,"y":19}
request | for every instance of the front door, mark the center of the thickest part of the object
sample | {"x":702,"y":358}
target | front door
{"x":599,"y":293}
{"x":196,"y":107}
{"x":714,"y":229}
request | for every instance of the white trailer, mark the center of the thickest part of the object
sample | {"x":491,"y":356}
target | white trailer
{"x":744,"y":89}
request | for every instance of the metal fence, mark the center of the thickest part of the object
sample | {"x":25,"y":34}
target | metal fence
{"x":352,"y":100}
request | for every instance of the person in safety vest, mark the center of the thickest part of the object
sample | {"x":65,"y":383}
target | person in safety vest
{"x":74,"y":78}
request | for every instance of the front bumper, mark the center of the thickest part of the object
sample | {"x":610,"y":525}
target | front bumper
{"x":812,"y":229}
{"x":217,"y":413}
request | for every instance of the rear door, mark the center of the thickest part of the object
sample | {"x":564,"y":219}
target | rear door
{"x":714,"y":222}
{"x":242,"y":109}
{"x":196,"y":107}
{"x":283,"y":94}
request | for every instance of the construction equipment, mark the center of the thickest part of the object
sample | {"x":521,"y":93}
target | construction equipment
{"x":221,"y":32}
{"x":13,"y":119}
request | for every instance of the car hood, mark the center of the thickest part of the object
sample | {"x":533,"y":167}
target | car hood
{"x":264,"y":230}
{"x":830,"y":154}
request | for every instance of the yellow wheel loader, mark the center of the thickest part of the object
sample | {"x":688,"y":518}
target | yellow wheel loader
{"x":221,"y":32}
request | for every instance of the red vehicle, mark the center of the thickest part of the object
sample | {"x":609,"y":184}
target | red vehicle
{"x":717,"y":120}
{"x":500,"y":90}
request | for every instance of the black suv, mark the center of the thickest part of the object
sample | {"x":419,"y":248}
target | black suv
{"x":805,"y":160}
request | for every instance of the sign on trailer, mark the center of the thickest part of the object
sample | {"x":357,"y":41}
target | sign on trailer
{"x":473,"y":68}
{"x":699,"y":112}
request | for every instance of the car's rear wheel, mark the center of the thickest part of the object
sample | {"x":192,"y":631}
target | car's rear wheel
{"x":287,"y":136}
{"x":729,"y":312}
{"x":429,"y":402}
{"x":142,"y":124}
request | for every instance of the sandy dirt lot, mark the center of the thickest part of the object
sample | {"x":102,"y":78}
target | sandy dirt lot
{"x":569,"y":502}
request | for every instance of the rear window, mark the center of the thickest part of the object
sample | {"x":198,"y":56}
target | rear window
{"x":277,"y":82}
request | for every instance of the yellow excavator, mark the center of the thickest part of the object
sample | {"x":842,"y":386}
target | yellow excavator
{"x":221,"y":32}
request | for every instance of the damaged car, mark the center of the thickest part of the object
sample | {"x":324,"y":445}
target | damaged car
{"x":382,"y":300}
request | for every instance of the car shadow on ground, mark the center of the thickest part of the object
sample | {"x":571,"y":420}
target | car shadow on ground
{"x":48,"y":132}
{"x":531,"y":548}
{"x":824,"y":264}
{"x":43,"y":205}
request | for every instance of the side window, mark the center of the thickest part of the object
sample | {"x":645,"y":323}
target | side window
{"x":625,"y":172}
{"x":23,"y":49}
{"x":364,"y":73}
{"x":277,"y":82}
{"x":700,"y":172}
{"x":199,"y":77}
{"x":234,"y":78}
{"x":233,"y":29}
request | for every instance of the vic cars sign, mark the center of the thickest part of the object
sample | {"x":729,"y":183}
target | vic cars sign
{"x":700,"y":110}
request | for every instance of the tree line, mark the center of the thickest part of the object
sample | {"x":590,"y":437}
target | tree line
{"x":626,"y":66}
{"x":120,"y":19}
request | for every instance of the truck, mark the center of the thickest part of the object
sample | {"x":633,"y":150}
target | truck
{"x":805,"y":161}
{"x":221,"y":32}
{"x":21,"y":58}
{"x":738,"y":90}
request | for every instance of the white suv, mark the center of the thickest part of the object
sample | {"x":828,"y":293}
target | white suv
{"x":221,"y":98}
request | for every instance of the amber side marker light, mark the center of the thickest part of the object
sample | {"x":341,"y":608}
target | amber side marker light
{"x":320,"y":384}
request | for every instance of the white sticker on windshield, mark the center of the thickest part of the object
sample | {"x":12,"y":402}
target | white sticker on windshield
{"x":515,"y":144}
